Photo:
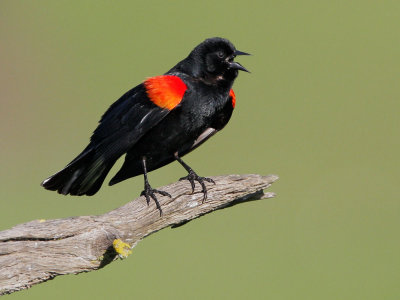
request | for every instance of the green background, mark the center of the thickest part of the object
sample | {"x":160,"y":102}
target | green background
{"x":320,"y":109}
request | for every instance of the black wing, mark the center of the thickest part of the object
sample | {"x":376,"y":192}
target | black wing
{"x":122,"y":125}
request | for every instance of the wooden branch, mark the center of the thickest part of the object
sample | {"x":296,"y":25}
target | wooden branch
{"x":39,"y":250}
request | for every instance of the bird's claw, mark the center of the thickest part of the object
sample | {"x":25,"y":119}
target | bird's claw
{"x":192,"y":177}
{"x":149,"y":192}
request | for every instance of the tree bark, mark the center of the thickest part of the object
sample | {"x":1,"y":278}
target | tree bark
{"x":39,"y":250}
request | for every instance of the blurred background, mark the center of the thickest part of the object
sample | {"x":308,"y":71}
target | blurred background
{"x":320,"y":109}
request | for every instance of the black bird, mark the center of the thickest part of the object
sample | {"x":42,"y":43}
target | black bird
{"x":158,"y":122}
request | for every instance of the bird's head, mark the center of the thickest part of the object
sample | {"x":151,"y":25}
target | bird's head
{"x":213,"y":61}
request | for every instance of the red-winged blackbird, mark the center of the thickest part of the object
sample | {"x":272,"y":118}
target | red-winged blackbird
{"x":157,"y":122}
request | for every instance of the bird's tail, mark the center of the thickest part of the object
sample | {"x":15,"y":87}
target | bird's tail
{"x":83,"y":176}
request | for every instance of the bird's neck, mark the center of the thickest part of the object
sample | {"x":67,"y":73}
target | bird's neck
{"x":189,"y":67}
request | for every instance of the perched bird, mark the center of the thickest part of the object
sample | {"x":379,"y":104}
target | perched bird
{"x":158,"y":122}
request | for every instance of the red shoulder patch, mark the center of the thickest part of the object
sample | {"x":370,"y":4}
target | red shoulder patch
{"x":165,"y":91}
{"x":232,"y":95}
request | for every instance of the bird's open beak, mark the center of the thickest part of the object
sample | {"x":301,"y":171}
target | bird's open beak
{"x":237,"y":52}
{"x":235,"y":65}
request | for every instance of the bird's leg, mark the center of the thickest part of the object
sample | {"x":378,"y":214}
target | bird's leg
{"x":192,"y":177}
{"x":148,"y":191}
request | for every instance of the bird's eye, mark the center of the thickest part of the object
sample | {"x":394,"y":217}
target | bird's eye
{"x":220,"y":54}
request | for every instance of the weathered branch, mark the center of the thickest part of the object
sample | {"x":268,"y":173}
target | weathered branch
{"x":39,"y":250}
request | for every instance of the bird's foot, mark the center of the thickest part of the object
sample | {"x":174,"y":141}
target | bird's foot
{"x":149,"y":192}
{"x":192,"y":177}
